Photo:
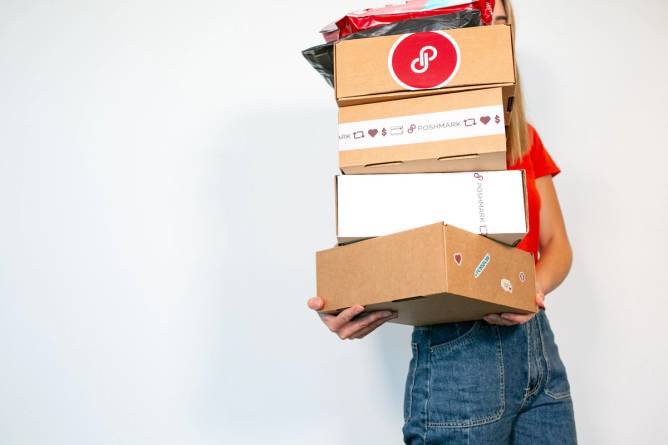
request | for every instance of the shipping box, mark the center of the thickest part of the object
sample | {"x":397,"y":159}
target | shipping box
{"x":441,"y":133}
{"x":383,"y":68}
{"x":490,"y":203}
{"x":432,"y":274}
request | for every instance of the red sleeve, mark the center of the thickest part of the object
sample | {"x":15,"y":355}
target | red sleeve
{"x":543,"y":164}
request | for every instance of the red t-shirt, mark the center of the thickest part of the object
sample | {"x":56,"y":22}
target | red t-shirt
{"x":537,"y":163}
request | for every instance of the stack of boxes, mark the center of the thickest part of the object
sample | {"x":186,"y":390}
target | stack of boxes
{"x":427,"y":213}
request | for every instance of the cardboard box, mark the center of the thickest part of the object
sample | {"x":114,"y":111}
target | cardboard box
{"x":378,"y":69}
{"x":441,"y":133}
{"x":433,"y":274}
{"x":490,"y":203}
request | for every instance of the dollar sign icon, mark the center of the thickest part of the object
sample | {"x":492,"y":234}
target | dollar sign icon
{"x":384,"y":132}
{"x":497,"y":119}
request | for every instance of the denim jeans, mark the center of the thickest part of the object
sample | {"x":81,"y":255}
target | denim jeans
{"x":476,"y":383}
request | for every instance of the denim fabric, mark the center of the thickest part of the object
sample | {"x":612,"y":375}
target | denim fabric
{"x":476,"y":383}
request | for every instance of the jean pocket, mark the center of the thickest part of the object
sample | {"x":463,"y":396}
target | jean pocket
{"x":410,"y":383}
{"x":556,"y":382}
{"x":448,"y":335}
{"x":466,"y":383}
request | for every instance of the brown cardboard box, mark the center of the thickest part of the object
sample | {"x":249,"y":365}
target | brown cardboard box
{"x":432,"y":274}
{"x":462,"y":131}
{"x":375,"y":69}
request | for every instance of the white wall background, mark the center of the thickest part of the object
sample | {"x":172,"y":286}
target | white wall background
{"x":165,"y":177}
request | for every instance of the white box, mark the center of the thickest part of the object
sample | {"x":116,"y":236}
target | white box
{"x":491,"y":203}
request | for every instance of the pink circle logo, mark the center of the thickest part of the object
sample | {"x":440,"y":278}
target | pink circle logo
{"x":424,"y":60}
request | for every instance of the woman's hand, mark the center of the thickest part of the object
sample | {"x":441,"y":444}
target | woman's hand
{"x":556,"y":255}
{"x":347,"y":324}
{"x":515,"y":319}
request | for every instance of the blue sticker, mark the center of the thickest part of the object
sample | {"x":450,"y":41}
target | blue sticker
{"x":483,"y":264}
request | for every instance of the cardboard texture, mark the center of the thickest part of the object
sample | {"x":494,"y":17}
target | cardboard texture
{"x":462,"y":131}
{"x":490,"y":203}
{"x":375,"y":69}
{"x":433,"y":274}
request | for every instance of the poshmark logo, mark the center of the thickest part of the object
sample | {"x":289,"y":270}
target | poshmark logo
{"x":480,"y":197}
{"x":421,"y":64}
{"x":424,"y":60}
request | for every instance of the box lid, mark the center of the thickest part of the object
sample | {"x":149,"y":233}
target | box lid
{"x":420,"y":62}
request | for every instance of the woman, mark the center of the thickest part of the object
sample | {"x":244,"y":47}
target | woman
{"x":500,"y":380}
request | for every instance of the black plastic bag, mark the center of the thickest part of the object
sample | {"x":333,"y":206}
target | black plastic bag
{"x":321,"y":57}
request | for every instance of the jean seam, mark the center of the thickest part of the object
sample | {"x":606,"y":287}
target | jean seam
{"x":554,"y":395}
{"x":542,"y":374}
{"x":528,"y":385}
{"x":539,"y":368}
{"x":558,"y":395}
{"x":499,"y":353}
{"x":502,"y":394}
{"x":539,"y":382}
{"x":416,"y":352}
{"x":428,"y":395}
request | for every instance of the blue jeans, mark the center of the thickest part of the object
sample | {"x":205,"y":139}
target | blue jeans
{"x":475,"y":383}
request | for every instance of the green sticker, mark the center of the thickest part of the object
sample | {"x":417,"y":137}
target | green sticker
{"x":483,"y":264}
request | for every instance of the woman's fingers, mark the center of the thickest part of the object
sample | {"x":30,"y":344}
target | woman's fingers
{"x":344,"y":326}
{"x":349,"y":323}
{"x":498,"y":320}
{"x":509,"y":319}
{"x":362,"y":322}
{"x":327,"y":318}
{"x":336,"y":323}
{"x":315,"y":303}
{"x":517,"y":318}
{"x":372,"y":327}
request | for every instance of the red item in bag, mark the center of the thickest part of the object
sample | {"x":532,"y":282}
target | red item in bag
{"x":371,"y":18}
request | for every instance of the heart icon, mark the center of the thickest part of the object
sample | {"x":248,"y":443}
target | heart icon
{"x":485,"y":119}
{"x":373,"y":132}
{"x":458,"y":258}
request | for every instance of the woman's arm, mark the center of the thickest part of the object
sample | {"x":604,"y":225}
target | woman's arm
{"x":556,"y":255}
{"x":555,"y":252}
